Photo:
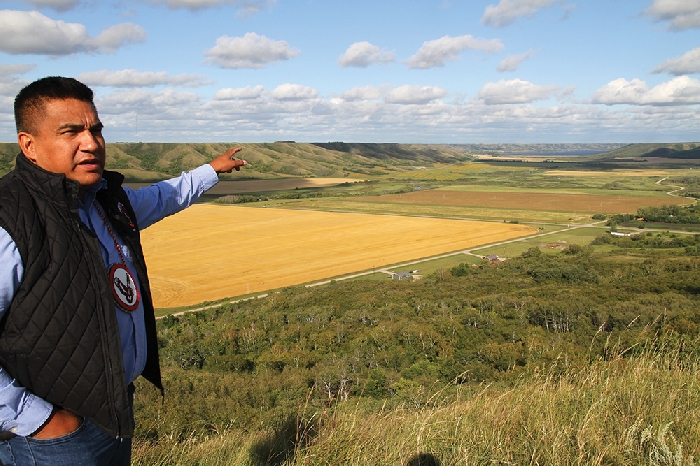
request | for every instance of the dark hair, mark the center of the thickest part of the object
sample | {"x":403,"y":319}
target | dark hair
{"x":30,"y":100}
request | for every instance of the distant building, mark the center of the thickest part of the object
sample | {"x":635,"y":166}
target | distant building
{"x":401,"y":276}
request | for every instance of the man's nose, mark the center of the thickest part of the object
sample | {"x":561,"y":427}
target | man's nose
{"x":89,"y":141}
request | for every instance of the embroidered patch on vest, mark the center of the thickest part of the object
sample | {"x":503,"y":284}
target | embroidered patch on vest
{"x":124,"y":289}
{"x":122,"y":209}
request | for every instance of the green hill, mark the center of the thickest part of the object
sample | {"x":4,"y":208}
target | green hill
{"x":687,"y":150}
{"x":155,"y":161}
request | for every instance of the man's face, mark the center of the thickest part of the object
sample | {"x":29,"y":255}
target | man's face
{"x":67,"y":139}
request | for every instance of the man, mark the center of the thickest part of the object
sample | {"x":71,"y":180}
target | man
{"x":76,"y":317}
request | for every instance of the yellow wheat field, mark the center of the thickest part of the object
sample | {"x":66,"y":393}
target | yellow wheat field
{"x":210,"y":252}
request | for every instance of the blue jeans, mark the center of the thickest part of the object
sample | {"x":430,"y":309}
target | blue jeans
{"x":87,"y":446}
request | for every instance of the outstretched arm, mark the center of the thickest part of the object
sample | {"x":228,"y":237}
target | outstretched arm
{"x":226,"y":162}
{"x":159,"y":200}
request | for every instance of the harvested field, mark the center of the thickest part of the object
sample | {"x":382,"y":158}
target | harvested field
{"x":609,"y":173}
{"x":211,"y":252}
{"x":256,"y":186}
{"x":586,"y":203}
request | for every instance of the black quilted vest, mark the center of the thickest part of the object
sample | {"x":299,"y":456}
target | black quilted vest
{"x":60,"y":337}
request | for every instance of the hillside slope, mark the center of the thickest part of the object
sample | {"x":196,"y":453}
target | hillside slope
{"x":153,"y":161}
{"x":688,"y":150}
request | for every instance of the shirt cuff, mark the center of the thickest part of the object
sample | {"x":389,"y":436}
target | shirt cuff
{"x":26,"y":414}
{"x":207,"y":175}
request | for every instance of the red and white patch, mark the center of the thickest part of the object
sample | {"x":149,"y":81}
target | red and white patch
{"x":122,"y":209}
{"x":124,"y":289}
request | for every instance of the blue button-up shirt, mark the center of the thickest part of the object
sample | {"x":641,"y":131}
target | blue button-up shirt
{"x":21,"y":411}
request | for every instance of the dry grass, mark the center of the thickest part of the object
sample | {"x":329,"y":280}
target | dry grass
{"x":211,"y":252}
{"x":644,"y":410}
{"x":585,"y":203}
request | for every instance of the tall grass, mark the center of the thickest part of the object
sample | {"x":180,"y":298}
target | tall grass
{"x":642,"y":409}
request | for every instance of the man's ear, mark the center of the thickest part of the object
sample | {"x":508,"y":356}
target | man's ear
{"x":26,"y":145}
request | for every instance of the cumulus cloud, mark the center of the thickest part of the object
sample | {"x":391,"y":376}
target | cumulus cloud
{"x":30,"y":32}
{"x":13,"y":69}
{"x":363,"y":54}
{"x":688,"y":63}
{"x":515,"y":91}
{"x":437,"y":52}
{"x":409,"y":94}
{"x":682,"y":90}
{"x":680,"y":14}
{"x":245,"y":7}
{"x":167,"y":103}
{"x":293,"y":92}
{"x":507,"y":11}
{"x":512,"y":62}
{"x":249,"y":51}
{"x":361,"y":93}
{"x":58,"y":5}
{"x":173,"y":115}
{"x":133,"y":78}
{"x":10,"y":83}
{"x":240,"y":93}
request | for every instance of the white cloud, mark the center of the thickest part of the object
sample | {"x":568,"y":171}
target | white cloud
{"x":679,"y":91}
{"x":437,"y":52}
{"x":507,"y":11}
{"x":10,"y":84}
{"x":293,"y":92}
{"x":515,"y":91}
{"x":512,"y":62}
{"x":681,"y":14}
{"x":408,"y":94}
{"x":361,"y":93}
{"x":58,"y":5}
{"x":12,"y":69}
{"x":30,"y":32}
{"x":113,"y":38}
{"x":363,"y":54}
{"x":245,"y":7}
{"x":249,"y":51}
{"x":133,"y":78}
{"x":242,"y":93}
{"x":168,"y":103}
{"x":688,"y":63}
{"x":177,"y":116}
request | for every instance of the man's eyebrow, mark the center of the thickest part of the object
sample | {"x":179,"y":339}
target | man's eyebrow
{"x":79,"y":126}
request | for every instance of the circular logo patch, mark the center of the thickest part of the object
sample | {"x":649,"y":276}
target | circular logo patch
{"x":124,"y":289}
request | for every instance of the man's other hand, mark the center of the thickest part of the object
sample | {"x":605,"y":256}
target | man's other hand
{"x":60,"y":423}
{"x":226,"y":163}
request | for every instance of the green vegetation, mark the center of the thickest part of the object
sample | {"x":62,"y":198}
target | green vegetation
{"x":675,"y":150}
{"x":579,"y":357}
{"x":672,"y":214}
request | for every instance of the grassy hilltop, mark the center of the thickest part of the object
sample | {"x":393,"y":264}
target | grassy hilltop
{"x":146,"y":162}
{"x":156,"y":161}
{"x":582,"y":357}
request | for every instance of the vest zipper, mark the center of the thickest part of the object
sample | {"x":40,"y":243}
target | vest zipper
{"x":106,"y":347}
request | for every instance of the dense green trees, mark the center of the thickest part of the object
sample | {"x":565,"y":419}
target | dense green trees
{"x":258,"y":361}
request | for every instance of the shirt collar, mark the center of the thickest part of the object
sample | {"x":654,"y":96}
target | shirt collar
{"x":92,"y":192}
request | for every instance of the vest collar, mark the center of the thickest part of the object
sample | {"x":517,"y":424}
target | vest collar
{"x":58,"y":189}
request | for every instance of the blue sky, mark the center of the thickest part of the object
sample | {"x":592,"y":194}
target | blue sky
{"x":431,"y":71}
